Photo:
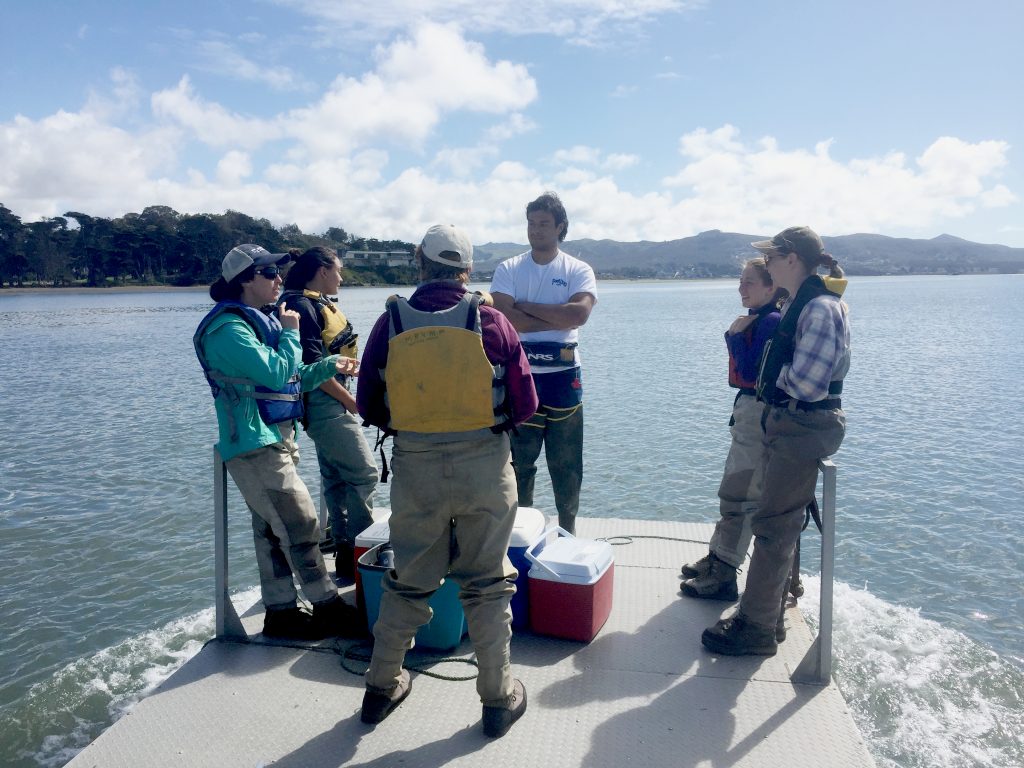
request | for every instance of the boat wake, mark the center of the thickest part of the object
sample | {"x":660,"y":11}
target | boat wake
{"x":60,"y":716}
{"x":922,"y":694}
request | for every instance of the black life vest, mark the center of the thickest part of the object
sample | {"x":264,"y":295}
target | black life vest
{"x":778,"y":352}
{"x":335,"y":329}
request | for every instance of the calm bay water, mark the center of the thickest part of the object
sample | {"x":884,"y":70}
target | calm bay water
{"x":106,"y":573}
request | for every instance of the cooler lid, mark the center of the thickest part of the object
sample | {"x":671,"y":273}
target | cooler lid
{"x":377,"y":533}
{"x":528,"y":527}
{"x":576,"y":561}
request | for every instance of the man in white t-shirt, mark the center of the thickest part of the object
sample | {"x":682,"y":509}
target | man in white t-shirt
{"x":547,"y":295}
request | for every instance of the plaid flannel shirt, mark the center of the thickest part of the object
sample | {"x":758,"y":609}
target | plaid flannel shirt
{"x":822,"y":351}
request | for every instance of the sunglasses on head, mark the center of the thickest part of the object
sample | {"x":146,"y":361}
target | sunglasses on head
{"x":268,"y":272}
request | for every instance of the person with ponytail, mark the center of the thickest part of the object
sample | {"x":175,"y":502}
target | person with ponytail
{"x":348,"y":472}
{"x":799,"y":381}
{"x":713,"y":577}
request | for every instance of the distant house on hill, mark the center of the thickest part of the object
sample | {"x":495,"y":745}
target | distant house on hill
{"x":358,"y":259}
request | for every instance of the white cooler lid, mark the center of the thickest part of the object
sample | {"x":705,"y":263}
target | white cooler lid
{"x":530,"y":524}
{"x":576,"y":561}
{"x":377,"y":533}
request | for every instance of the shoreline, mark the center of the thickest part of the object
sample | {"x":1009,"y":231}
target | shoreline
{"x":16,"y":291}
{"x":36,"y":289}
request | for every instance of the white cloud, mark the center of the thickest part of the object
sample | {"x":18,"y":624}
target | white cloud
{"x":124,"y":96}
{"x":592,"y":156}
{"x":578,"y":154}
{"x":344,"y":159}
{"x":416,"y":82}
{"x":75,"y":160}
{"x":512,"y":125}
{"x":464,"y":161}
{"x":760,"y":188}
{"x":234,"y":167}
{"x":224,"y":58}
{"x":583,"y":22}
{"x":211,"y":123}
{"x":619,"y":161}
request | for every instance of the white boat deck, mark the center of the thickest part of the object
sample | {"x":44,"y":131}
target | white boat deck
{"x":643,"y":693}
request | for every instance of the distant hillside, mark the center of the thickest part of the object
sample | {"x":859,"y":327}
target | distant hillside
{"x":720,"y":254}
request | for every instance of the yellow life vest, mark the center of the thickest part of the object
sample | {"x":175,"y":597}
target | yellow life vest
{"x":336,"y":332}
{"x":438,"y":378}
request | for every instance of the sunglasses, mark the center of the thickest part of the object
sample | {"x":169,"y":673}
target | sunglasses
{"x":269,"y":272}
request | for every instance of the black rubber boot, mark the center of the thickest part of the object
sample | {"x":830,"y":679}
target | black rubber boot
{"x":738,"y":637}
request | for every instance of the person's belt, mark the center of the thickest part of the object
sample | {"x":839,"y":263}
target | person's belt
{"x":820,"y":405}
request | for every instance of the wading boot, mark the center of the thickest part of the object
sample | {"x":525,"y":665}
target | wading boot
{"x":497,"y":720}
{"x":697,"y":569}
{"x":336,"y":618}
{"x":379,"y":703}
{"x":291,"y":623}
{"x":344,"y":564}
{"x":738,"y":637}
{"x":719,"y":583}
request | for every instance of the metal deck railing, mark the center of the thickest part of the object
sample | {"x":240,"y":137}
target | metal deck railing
{"x":816,"y":666}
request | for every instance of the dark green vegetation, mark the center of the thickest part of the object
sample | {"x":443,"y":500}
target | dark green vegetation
{"x":160,"y":247}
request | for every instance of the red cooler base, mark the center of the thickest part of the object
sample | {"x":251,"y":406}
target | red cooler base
{"x":571,"y":611}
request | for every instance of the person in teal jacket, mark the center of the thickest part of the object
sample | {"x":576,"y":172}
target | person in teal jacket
{"x":253,"y":363}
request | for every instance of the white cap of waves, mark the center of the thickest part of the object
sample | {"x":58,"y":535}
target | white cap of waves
{"x":921,"y":693}
{"x":63,"y":714}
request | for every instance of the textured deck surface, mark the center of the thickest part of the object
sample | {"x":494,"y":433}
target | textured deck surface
{"x":643,"y":693}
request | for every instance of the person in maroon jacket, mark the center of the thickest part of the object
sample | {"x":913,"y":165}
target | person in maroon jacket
{"x":445,"y":374}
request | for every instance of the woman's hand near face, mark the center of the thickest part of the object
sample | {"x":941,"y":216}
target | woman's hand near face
{"x":289,"y":318}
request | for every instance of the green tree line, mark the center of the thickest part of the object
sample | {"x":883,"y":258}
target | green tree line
{"x":157,"y":247}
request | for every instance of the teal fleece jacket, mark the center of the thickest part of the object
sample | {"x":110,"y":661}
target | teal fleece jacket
{"x":232,"y":348}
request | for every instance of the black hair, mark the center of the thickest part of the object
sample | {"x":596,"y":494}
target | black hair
{"x":231,"y":290}
{"x":550,"y":203}
{"x":307,"y":265}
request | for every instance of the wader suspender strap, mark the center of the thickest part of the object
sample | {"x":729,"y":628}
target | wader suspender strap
{"x":378,"y":445}
{"x":796,"y":587}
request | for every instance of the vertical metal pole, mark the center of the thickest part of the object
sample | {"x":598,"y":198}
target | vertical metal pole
{"x":816,"y":666}
{"x":226,"y":619}
{"x":828,"y":567}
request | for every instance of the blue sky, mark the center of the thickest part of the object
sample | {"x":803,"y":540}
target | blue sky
{"x":653,"y":119}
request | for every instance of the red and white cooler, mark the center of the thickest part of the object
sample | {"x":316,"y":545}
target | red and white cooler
{"x":571,"y":587}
